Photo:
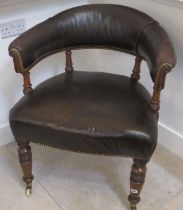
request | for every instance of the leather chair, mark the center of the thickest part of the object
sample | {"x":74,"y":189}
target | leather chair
{"x":91,"y":112}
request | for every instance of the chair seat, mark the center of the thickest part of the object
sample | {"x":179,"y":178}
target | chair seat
{"x":88,"y":112}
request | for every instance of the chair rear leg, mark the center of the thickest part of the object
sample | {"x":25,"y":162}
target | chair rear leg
{"x":137,"y":179}
{"x":25,"y":158}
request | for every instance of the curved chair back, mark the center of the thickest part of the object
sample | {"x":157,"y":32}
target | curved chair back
{"x":97,"y":26}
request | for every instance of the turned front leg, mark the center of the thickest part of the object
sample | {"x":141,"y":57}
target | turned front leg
{"x":25,"y":158}
{"x":137,"y":179}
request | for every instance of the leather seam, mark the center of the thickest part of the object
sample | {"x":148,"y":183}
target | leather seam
{"x":77,"y":151}
{"x":19,"y":66}
{"x":19,"y":58}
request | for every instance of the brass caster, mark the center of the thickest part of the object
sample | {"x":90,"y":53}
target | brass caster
{"x":28,"y":182}
{"x":133,"y":207}
{"x":28,"y":191}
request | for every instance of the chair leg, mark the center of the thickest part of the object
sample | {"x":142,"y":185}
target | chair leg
{"x":137,"y":179}
{"x":25,"y":158}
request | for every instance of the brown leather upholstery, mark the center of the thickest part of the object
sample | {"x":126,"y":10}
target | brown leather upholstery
{"x":92,"y":112}
{"x":88,"y":112}
{"x":99,"y":26}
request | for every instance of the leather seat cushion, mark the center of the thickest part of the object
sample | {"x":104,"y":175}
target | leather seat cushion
{"x":88,"y":112}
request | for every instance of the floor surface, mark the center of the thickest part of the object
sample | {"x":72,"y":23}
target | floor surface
{"x":71,"y":181}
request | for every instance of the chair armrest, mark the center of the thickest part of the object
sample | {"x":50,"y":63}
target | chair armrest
{"x":157,"y":49}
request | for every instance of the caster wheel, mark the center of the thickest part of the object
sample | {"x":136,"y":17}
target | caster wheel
{"x":28,"y":192}
{"x":133,"y":207}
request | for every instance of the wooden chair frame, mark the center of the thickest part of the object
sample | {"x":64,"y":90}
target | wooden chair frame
{"x":138,"y":171}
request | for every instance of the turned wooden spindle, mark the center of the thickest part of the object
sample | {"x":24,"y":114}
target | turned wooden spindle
{"x":155,"y":102}
{"x":159,"y":85}
{"x":137,"y":179}
{"x":69,"y":65}
{"x":25,"y":158}
{"x":135,"y":76}
{"x":27,"y":83}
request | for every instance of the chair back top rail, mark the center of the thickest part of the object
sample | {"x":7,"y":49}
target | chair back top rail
{"x":104,"y":26}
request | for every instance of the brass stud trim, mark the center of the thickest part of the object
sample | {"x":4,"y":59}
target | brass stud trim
{"x":166,"y":64}
{"x":18,"y":61}
{"x":77,"y":151}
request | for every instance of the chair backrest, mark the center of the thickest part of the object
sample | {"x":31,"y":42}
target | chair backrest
{"x":96,"y":26}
